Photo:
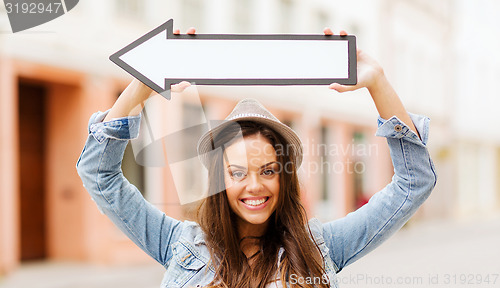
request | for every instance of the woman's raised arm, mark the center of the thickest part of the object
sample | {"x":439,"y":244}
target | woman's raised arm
{"x":363,"y":230}
{"x":99,"y":167}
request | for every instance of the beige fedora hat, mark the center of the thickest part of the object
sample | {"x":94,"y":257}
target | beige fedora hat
{"x":251,"y":110}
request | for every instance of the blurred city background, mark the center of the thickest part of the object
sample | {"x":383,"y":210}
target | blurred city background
{"x":441,"y":57}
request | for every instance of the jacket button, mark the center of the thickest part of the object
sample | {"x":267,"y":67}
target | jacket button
{"x":398,"y":128}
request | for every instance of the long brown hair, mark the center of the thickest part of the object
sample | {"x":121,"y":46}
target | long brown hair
{"x":288,"y":226}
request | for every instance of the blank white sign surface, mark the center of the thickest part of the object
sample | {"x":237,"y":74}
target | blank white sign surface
{"x":241,"y":59}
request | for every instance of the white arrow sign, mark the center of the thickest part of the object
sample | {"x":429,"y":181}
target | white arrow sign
{"x":161,"y":58}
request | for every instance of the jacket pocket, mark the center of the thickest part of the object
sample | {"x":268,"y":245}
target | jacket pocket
{"x":187,"y":262}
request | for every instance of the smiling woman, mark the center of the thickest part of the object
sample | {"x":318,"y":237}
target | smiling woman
{"x":251,"y":229}
{"x":261,"y":199}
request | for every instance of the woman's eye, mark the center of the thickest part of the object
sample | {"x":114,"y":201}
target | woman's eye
{"x":268,"y":172}
{"x":238,"y":175}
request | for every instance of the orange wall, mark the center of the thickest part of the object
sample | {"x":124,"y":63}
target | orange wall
{"x":9,"y":178}
{"x":75,"y":228}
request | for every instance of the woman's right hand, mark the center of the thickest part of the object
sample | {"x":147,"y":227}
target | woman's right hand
{"x":179,"y":87}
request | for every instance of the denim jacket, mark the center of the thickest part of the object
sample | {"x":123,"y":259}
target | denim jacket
{"x":180,"y":245}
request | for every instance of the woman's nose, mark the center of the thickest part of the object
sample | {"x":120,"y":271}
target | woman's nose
{"x":254,"y":183}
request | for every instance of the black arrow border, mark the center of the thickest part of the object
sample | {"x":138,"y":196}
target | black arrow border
{"x":169,"y":25}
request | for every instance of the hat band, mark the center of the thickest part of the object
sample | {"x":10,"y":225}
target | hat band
{"x":249,"y":115}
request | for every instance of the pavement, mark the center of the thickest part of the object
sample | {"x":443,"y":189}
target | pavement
{"x":81,"y":275}
{"x":444,"y":253}
{"x":441,"y":253}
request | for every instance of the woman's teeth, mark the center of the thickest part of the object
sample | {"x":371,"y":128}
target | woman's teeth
{"x":255,"y":202}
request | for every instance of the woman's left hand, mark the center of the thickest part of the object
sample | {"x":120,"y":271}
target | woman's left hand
{"x":368,"y":72}
{"x":371,"y":75}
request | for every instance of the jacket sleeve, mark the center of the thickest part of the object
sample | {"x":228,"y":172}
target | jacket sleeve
{"x":99,"y":167}
{"x":353,"y":236}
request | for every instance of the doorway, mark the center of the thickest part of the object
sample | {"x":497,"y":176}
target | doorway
{"x":32,"y":100}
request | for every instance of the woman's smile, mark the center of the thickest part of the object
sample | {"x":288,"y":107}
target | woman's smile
{"x":255,"y":203}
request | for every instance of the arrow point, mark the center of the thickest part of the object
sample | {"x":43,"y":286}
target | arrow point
{"x":113,"y":57}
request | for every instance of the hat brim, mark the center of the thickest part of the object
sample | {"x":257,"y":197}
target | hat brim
{"x":293,"y":142}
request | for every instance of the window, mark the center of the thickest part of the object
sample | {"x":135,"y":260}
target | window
{"x":498,"y":178}
{"x":130,"y":8}
{"x":329,"y":175}
{"x":324,"y":162}
{"x":358,"y":169}
{"x":286,"y":15}
{"x":192,"y":117}
{"x":4,"y":21}
{"x":243,"y":16}
{"x":191,"y":13}
{"x":322,"y":20}
{"x":133,"y":171}
{"x":288,"y":123}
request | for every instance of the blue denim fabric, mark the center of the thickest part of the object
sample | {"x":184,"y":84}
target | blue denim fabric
{"x":180,"y":246}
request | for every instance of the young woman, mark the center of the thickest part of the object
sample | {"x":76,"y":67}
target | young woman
{"x":252,"y":230}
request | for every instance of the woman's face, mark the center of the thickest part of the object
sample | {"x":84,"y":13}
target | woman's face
{"x":251,"y":175}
